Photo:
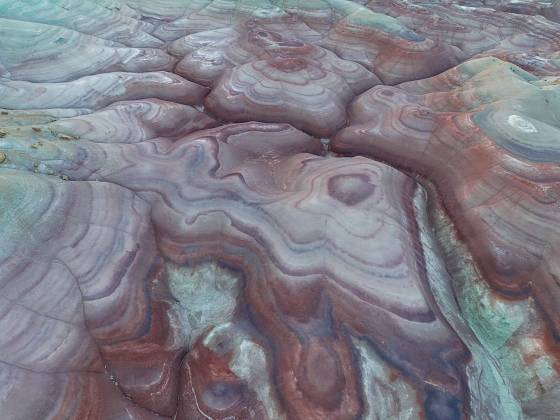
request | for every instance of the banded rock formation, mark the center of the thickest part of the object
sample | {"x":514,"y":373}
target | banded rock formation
{"x":279,"y":210}
{"x":491,"y":154}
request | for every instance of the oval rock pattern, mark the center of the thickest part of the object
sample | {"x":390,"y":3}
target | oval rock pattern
{"x":271,"y":209}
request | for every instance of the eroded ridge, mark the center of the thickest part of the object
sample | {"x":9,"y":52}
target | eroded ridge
{"x":279,"y":210}
{"x":491,"y":154}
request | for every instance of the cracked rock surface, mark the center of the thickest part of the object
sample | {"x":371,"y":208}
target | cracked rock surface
{"x":265,"y":209}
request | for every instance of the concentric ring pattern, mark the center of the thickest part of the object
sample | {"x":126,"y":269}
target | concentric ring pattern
{"x":279,"y":209}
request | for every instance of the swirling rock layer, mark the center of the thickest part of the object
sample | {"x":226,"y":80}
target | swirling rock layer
{"x":491,"y":156}
{"x":279,"y":210}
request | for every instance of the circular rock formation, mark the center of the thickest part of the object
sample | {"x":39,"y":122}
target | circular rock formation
{"x":279,"y":210}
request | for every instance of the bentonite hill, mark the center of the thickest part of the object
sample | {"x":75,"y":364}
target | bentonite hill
{"x":279,"y":210}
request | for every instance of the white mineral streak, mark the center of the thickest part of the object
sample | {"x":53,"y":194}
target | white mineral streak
{"x":521,"y":124}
